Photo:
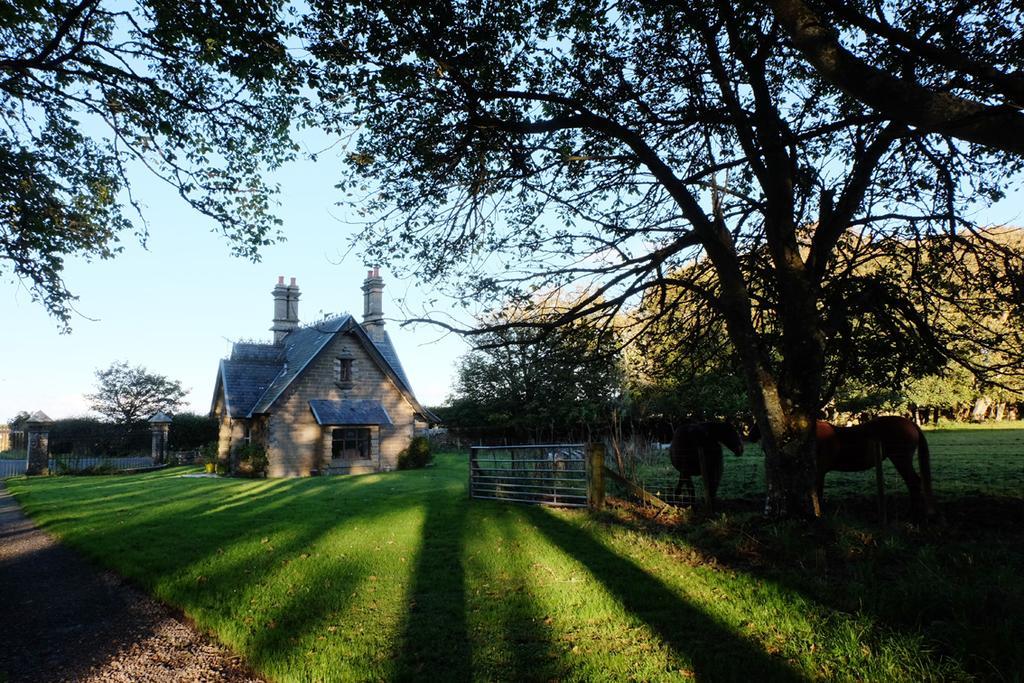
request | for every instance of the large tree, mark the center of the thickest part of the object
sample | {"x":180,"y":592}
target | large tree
{"x":953,"y":68}
{"x":200,"y":94}
{"x":617,"y":146}
{"x":127,"y":395}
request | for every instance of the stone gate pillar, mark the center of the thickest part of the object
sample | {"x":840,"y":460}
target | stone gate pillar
{"x":37,"y":460}
{"x":160,"y":426}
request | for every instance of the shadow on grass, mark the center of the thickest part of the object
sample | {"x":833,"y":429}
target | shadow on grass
{"x":529,"y":640}
{"x":950,"y":589}
{"x":435,"y":640}
{"x":714,"y":651}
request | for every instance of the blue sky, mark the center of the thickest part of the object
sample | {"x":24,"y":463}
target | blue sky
{"x":173,"y":306}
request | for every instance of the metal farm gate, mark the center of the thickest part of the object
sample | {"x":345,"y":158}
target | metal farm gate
{"x":545,"y":474}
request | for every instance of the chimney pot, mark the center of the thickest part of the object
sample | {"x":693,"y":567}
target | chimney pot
{"x":373,"y":308}
{"x":286,"y":309}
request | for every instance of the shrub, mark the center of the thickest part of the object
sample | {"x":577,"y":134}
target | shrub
{"x":208,"y":452}
{"x":88,"y":436}
{"x":190,"y":431}
{"x":252,"y":460}
{"x":416,"y":455}
{"x":72,"y":464}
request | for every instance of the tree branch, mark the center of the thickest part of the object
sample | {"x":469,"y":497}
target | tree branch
{"x":998,"y":127}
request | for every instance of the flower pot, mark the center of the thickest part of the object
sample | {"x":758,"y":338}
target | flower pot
{"x":210,"y":467}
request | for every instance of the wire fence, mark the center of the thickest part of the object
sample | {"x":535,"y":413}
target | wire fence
{"x":965,"y":463}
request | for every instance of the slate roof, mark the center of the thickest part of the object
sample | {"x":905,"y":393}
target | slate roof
{"x":300,"y":347}
{"x":257,"y":374}
{"x":350,"y":412}
{"x":253,"y":351}
{"x":387,"y":349}
{"x":245,"y":382}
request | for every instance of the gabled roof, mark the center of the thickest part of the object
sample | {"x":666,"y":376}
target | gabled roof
{"x":257,"y":375}
{"x":350,"y":412}
{"x":301,"y":346}
{"x":244,"y":382}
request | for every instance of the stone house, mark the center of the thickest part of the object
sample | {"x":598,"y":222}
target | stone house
{"x":327,"y":397}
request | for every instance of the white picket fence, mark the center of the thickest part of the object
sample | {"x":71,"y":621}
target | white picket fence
{"x":11,"y":468}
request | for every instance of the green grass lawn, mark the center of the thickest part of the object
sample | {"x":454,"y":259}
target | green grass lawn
{"x":400,"y":575}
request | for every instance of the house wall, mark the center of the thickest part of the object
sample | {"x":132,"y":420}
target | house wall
{"x":229,"y":432}
{"x":297,"y":445}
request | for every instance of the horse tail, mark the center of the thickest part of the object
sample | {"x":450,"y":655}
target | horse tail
{"x":924,"y":461}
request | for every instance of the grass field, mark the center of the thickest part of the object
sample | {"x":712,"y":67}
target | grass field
{"x":398,"y":576}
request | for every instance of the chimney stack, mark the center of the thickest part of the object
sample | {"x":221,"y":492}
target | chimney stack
{"x":373,"y":304}
{"x":286,"y":309}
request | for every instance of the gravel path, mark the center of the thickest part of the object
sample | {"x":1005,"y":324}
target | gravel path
{"x":62,"y":619}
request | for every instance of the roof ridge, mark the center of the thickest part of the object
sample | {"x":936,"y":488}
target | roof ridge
{"x":326,"y":319}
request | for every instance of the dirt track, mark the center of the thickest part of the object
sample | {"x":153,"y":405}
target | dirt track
{"x":62,"y":619}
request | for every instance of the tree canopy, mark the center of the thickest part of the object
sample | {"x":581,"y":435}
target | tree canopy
{"x":628,"y":148}
{"x":127,"y":395}
{"x":948,"y":68}
{"x":199,"y":94}
{"x":546,"y":386}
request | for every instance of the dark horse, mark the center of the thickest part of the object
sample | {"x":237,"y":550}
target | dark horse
{"x":848,"y":449}
{"x":709,"y":437}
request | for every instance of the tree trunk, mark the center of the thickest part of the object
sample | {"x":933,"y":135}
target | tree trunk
{"x":787,"y":426}
{"x":789,"y":468}
{"x":980,"y":409}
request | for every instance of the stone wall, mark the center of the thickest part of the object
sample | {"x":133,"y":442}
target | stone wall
{"x":297,"y":445}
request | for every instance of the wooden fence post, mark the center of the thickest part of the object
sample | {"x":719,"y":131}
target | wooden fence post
{"x":876,"y":453}
{"x":595,"y":476}
{"x":702,"y":462}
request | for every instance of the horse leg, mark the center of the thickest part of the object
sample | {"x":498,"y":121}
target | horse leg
{"x":820,"y":485}
{"x":904,"y":463}
{"x":713,"y":477}
{"x":685,"y":498}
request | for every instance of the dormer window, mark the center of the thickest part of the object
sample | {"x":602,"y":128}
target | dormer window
{"x":343,"y":370}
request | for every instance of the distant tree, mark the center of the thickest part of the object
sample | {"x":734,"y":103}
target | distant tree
{"x":683,"y":366}
{"x":127,"y":395}
{"x":200,"y":94}
{"x":18,"y":421}
{"x":519,"y":382}
{"x":947,"y":390}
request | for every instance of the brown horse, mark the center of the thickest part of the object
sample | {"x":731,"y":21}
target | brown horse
{"x":687,"y":443}
{"x":848,"y":449}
